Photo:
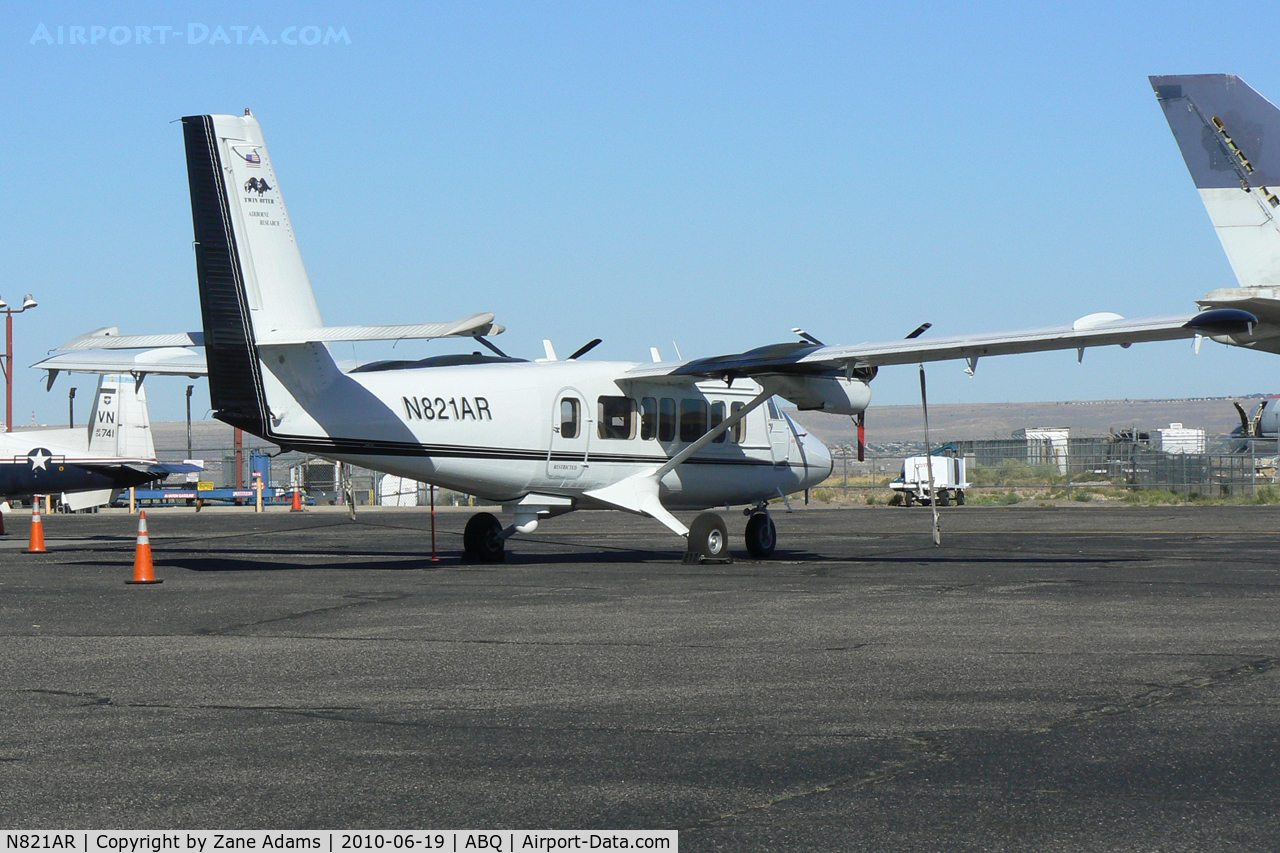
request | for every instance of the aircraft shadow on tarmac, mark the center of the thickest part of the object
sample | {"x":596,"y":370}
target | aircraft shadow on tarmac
{"x":276,"y":560}
{"x":237,"y":560}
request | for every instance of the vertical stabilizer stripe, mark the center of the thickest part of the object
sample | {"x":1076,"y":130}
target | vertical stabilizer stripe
{"x":235,"y":377}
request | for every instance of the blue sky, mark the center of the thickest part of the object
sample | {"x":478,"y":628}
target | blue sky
{"x":645,"y":173}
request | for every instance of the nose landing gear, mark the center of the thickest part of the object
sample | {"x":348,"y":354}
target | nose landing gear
{"x":762,"y":535}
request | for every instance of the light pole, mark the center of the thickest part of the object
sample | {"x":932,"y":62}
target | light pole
{"x":27,"y":302}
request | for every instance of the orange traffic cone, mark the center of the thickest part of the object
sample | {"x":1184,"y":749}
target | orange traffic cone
{"x":143,"y":571}
{"x":37,"y":529}
{"x":297,"y":501}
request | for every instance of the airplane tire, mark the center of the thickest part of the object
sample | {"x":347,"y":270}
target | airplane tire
{"x":482,"y":539}
{"x":762,"y":535}
{"x":960,"y":498}
{"x":944,"y":499}
{"x":708,"y":537}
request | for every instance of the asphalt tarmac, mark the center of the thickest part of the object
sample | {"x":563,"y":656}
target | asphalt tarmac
{"x":1068,"y":678}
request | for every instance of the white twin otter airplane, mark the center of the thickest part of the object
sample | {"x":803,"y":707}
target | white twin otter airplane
{"x":550,"y":436}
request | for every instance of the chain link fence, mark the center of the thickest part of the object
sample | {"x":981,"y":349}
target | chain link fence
{"x":1109,"y":462}
{"x":1112,"y":462}
{"x":321,"y":480}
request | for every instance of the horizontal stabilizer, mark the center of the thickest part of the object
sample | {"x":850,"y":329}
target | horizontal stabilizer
{"x":110,"y":338}
{"x":165,"y":361}
{"x":474,"y":326}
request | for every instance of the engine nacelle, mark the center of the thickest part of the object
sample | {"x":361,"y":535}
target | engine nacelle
{"x":833,"y":394}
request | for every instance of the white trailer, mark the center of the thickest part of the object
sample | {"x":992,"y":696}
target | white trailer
{"x":949,"y":481}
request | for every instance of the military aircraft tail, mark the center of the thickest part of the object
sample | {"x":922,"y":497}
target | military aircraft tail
{"x":1229,"y":136}
{"x":119,"y":424}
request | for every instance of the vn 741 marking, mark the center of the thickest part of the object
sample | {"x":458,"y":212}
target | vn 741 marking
{"x":440,"y":409}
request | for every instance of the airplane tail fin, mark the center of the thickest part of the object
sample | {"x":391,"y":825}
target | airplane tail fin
{"x":1229,"y":136}
{"x":119,"y":424}
{"x":252,"y":278}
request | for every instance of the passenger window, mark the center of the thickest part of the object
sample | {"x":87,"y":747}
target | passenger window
{"x":570,"y":416}
{"x":649,"y":418}
{"x":666,"y":419}
{"x":739,"y":431}
{"x":693,"y":419}
{"x":617,"y":418}
{"x":717,"y":418}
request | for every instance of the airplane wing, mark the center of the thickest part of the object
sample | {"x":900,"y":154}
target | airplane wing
{"x":800,"y":358}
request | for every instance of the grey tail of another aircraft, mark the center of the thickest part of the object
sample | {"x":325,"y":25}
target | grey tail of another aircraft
{"x":1229,"y":136}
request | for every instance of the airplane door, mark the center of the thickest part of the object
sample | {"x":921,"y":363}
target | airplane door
{"x":570,"y":436}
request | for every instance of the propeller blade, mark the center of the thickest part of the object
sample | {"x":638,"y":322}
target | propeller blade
{"x":924,"y":327}
{"x":808,"y":337}
{"x":585,"y":348}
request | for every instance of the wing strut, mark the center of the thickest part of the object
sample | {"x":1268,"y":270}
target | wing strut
{"x":639,"y":492}
{"x":928,"y":456}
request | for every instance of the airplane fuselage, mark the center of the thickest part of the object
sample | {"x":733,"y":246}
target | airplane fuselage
{"x":504,"y":431}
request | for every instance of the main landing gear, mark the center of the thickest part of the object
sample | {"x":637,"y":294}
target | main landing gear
{"x":709,"y":541}
{"x":482,"y":539}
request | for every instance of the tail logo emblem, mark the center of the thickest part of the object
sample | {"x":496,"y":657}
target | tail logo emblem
{"x":258,"y":185}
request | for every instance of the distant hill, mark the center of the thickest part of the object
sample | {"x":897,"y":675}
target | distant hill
{"x":965,"y":421}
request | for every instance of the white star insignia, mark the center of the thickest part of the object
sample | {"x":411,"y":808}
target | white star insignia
{"x":40,"y":459}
